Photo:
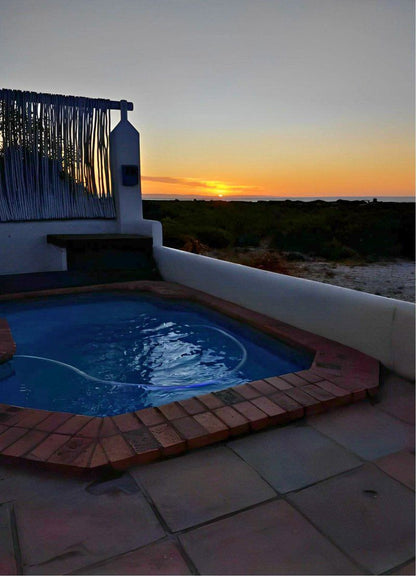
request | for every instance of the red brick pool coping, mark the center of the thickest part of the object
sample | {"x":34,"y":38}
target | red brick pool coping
{"x":338,"y":375}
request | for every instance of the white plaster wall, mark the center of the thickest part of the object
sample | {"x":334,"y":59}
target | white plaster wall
{"x":125,"y":149}
{"x":23,"y":246}
{"x":151,"y":228}
{"x":380,"y":327}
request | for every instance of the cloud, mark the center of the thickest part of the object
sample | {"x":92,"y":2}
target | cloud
{"x":169,"y":180}
{"x":213,"y":185}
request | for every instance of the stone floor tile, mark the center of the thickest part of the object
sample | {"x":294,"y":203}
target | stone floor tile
{"x":68,"y":528}
{"x":17,"y":483}
{"x":159,"y":558}
{"x":397,"y":397}
{"x":365,"y":430}
{"x":293,"y":457}
{"x":272,"y":538}
{"x":400,"y":466}
{"x":406,"y":570}
{"x":366,"y":513}
{"x":8,"y":563}
{"x":201,"y":486}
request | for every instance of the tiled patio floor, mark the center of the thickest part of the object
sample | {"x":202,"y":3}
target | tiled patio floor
{"x":331,"y":494}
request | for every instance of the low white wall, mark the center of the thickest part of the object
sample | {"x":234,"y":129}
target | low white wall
{"x":23,"y":246}
{"x":24,"y":249}
{"x":380,"y":327}
{"x":151,"y":228}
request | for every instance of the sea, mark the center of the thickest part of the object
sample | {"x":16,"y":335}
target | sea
{"x":233,"y":198}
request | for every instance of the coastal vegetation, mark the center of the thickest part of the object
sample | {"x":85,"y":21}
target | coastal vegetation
{"x":267,"y":234}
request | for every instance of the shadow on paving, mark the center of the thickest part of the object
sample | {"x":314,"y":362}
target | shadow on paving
{"x":15,"y":283}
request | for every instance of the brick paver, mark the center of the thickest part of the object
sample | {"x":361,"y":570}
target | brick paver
{"x":192,"y":431}
{"x":150,"y":416}
{"x":215,"y":427}
{"x":256,"y":417}
{"x":47,"y":447}
{"x":25,"y":444}
{"x":75,"y":449}
{"x":192,"y":406}
{"x":235,"y":421}
{"x":73,"y":425}
{"x":168,"y":438}
{"x":211,"y":401}
{"x":143,"y":443}
{"x":126,"y":422}
{"x":173,"y":411}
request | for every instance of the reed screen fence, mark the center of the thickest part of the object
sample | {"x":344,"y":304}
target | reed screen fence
{"x":54,"y":157}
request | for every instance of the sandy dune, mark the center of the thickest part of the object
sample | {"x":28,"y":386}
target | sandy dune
{"x":391,"y":279}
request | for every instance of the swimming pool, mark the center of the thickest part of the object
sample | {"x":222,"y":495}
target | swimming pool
{"x":107,"y":354}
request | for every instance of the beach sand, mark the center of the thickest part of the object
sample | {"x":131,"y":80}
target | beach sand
{"x":391,"y":279}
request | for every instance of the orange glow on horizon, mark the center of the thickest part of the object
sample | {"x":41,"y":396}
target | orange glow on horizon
{"x":343,"y":160}
{"x":195,"y":187}
{"x":309,"y":183}
{"x":317,"y":160}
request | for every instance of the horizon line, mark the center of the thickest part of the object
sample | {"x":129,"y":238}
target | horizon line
{"x":248,"y":198}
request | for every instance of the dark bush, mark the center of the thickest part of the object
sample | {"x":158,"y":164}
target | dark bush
{"x":333,"y":230}
{"x":334,"y":250}
{"x":248,"y":239}
{"x":174,"y":235}
{"x":213,"y":237}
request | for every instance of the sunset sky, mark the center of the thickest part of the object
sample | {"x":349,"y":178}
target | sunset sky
{"x":236,"y":97}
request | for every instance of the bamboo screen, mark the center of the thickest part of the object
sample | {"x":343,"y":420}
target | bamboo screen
{"x":54,"y":157}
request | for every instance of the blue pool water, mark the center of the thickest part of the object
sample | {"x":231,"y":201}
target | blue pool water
{"x":105,"y":354}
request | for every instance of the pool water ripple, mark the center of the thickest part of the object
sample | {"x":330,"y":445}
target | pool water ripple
{"x":107,"y":354}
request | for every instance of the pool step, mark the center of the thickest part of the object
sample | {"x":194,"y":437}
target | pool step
{"x":15,"y":283}
{"x":92,"y":252}
{"x":91,"y":259}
